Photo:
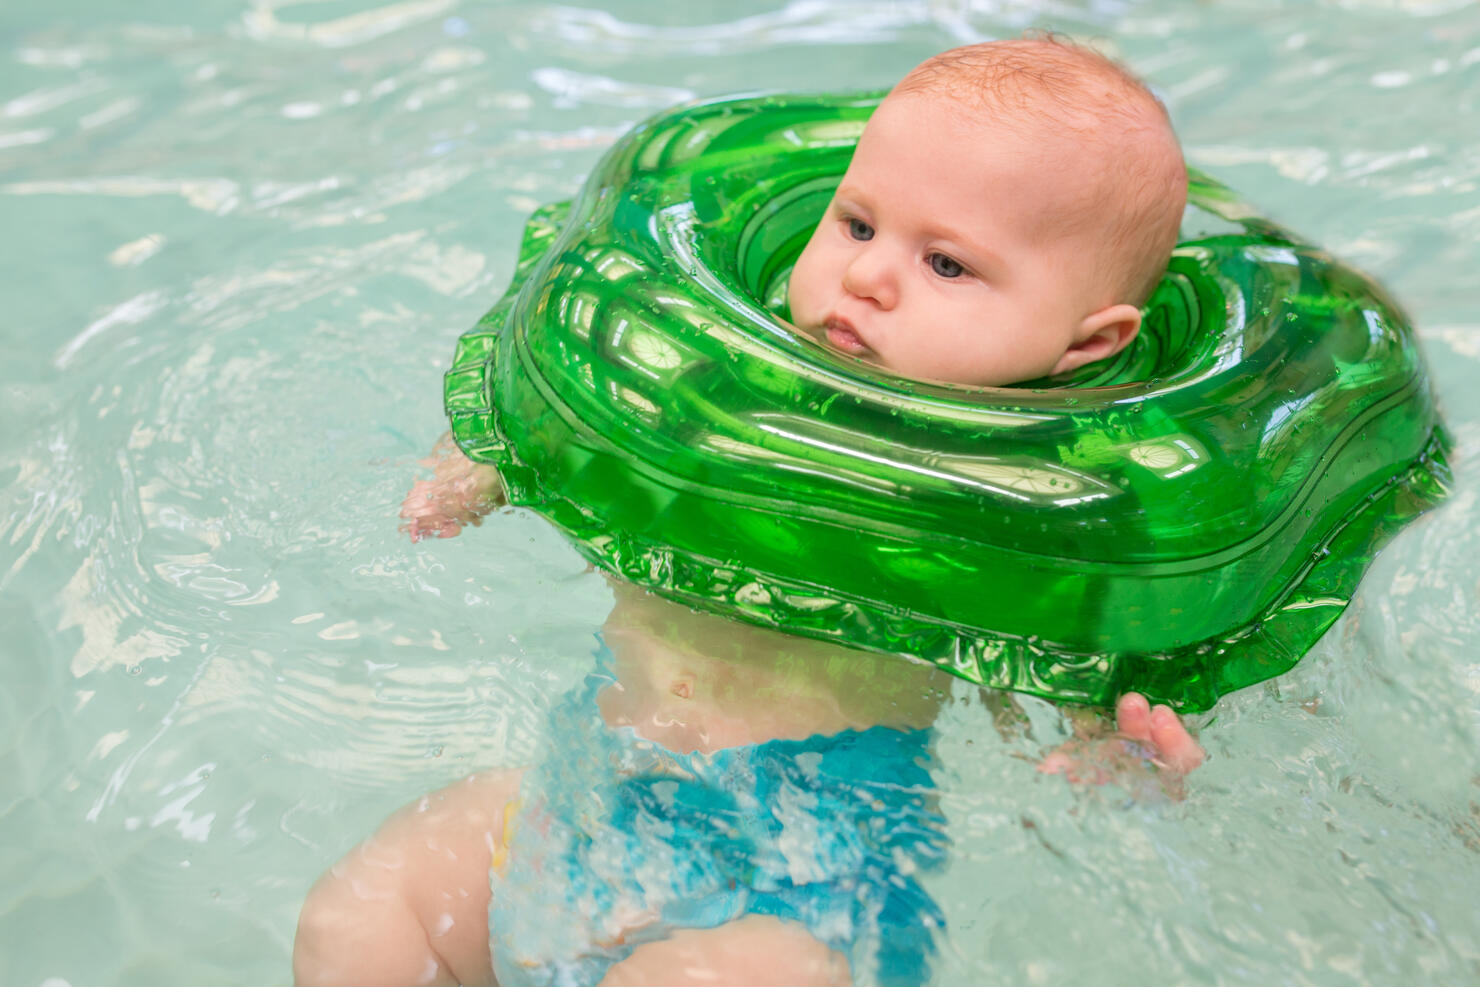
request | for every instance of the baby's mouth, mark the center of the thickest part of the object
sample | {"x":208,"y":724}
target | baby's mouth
{"x":842,"y":336}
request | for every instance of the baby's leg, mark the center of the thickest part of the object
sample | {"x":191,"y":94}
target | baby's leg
{"x":410,"y":904}
{"x":757,"y":949}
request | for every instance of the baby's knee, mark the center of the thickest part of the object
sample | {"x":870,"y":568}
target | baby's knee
{"x":347,"y":938}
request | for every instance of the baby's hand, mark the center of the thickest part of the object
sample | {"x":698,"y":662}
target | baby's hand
{"x":1147,"y":743}
{"x":460,"y":492}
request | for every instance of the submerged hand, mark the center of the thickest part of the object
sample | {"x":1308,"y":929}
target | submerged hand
{"x":1160,"y":730}
{"x":1147,"y":743}
{"x":460,"y":492}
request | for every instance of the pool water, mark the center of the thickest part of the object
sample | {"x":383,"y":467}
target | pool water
{"x":239,"y":242}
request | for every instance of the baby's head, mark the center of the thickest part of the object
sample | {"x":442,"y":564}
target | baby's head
{"x":1009,"y":208}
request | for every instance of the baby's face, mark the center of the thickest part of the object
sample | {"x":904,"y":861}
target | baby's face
{"x":934,"y":260}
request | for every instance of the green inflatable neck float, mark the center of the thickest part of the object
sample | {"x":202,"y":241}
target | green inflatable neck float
{"x":1182,"y":521}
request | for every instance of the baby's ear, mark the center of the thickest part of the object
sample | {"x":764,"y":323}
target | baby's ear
{"x":1101,"y":334}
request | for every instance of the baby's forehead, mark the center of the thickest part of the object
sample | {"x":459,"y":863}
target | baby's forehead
{"x":1031,"y":174}
{"x":1028,"y":117}
{"x":955,"y":138}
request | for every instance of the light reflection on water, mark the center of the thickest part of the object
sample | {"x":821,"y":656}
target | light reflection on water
{"x":242,"y":238}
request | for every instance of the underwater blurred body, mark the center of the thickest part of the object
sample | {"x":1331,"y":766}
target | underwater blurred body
{"x":243,"y":239}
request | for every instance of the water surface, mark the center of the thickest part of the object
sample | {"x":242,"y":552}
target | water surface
{"x":240,"y":239}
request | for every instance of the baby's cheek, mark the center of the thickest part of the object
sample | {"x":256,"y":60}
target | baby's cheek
{"x":796,"y":302}
{"x":801,"y":289}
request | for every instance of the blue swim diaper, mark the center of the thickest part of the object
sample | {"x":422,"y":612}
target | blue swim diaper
{"x":620,"y":842}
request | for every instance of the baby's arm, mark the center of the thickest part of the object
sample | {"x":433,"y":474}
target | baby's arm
{"x":460,"y":492}
{"x":410,"y":904}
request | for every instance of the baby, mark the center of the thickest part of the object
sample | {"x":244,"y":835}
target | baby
{"x":1009,"y":208}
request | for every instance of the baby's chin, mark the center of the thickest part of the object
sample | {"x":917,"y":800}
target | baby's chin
{"x":845,"y":341}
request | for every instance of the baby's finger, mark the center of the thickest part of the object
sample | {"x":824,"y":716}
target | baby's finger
{"x":1133,"y":717}
{"x":1175,"y":746}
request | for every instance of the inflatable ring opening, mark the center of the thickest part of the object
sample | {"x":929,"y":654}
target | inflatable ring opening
{"x":1183,"y":520}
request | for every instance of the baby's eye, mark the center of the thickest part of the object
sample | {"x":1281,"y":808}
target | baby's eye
{"x":859,"y":230}
{"x":945,"y":266}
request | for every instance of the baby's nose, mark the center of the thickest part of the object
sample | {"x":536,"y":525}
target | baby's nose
{"x":872,"y":275}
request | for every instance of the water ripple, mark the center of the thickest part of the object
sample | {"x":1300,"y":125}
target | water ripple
{"x":262,"y":23}
{"x":572,"y":88}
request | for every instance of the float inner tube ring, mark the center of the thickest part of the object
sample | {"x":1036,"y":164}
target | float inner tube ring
{"x":1182,"y":520}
